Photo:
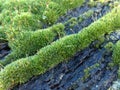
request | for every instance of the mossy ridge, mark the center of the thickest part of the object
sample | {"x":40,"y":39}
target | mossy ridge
{"x":28,"y":43}
{"x":116,"y":53}
{"x":22,"y":70}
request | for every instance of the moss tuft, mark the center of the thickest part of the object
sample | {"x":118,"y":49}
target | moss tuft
{"x":109,"y":46}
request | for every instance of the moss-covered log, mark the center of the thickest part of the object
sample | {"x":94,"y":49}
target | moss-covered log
{"x":22,"y":70}
{"x":28,"y":43}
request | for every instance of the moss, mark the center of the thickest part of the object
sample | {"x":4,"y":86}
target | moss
{"x":52,"y":12}
{"x":114,"y":4}
{"x":92,"y":3}
{"x":2,"y":33}
{"x":26,"y":21}
{"x":6,"y":16}
{"x":118,"y":73}
{"x":35,"y":7}
{"x":80,"y":19}
{"x":85,"y":15}
{"x":99,"y":42}
{"x":49,"y":8}
{"x":71,"y":20}
{"x":13,"y":5}
{"x":75,"y":20}
{"x":86,"y":74}
{"x":23,"y":69}
{"x":28,"y":43}
{"x":109,"y":46}
{"x":27,"y":15}
{"x":88,"y":13}
{"x":23,"y":6}
{"x":1,"y":67}
{"x":111,"y":64}
{"x":91,"y":67}
{"x":87,"y":71}
{"x":116,"y":53}
{"x":69,"y":4}
{"x":38,"y":6}
{"x":31,"y":15}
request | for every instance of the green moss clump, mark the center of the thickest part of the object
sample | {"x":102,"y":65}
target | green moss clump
{"x":87,"y":71}
{"x":52,"y":12}
{"x":111,"y":64}
{"x":72,"y":22}
{"x":26,"y":21}
{"x":86,"y":74}
{"x":114,"y":4}
{"x":28,"y":43}
{"x":92,"y":3}
{"x":88,"y":13}
{"x":109,"y":46}
{"x":85,"y":15}
{"x":116,"y":54}
{"x":74,"y":19}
